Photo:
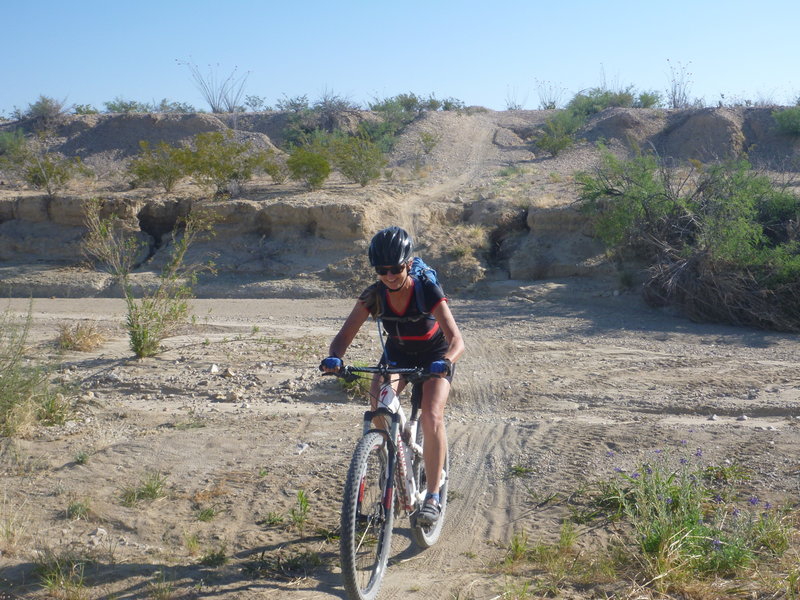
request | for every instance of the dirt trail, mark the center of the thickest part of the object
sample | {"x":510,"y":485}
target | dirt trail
{"x":557,"y":376}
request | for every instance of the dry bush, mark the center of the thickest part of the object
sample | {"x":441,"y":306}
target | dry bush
{"x":83,"y":336}
{"x":707,"y":292}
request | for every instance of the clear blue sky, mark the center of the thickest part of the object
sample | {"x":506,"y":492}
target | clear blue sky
{"x":486,"y":52}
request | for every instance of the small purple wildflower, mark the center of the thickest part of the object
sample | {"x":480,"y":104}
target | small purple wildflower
{"x":635,"y":475}
{"x":699,"y":453}
{"x":767,"y":505}
{"x":718,"y":499}
{"x":668,"y":500}
{"x":736,"y":512}
{"x":684,"y":442}
{"x":618,"y":470}
{"x":684,"y":461}
{"x":753,"y":500}
{"x":648,"y":470}
{"x":716,"y":544}
{"x":659,"y":451}
{"x":610,"y":453}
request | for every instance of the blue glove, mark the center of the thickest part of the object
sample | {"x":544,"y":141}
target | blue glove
{"x":331,"y":362}
{"x":441,"y":367}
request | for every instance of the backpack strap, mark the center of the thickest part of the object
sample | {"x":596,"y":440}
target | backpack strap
{"x":419,"y":298}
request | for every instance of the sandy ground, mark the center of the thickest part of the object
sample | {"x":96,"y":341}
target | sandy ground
{"x":557,"y":377}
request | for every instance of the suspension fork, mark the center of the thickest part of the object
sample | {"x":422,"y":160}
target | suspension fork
{"x":390,"y":438}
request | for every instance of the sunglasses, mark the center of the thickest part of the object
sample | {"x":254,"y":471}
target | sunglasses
{"x":396,"y":270}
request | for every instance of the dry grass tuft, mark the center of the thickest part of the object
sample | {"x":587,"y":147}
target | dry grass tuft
{"x":83,"y":336}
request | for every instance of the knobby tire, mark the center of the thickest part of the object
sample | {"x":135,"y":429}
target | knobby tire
{"x":366,"y":532}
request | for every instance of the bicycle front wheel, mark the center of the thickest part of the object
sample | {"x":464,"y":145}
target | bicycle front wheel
{"x":427,"y":536}
{"x":367,"y":519}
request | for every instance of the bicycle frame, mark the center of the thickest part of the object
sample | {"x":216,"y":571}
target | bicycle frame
{"x":401,"y":434}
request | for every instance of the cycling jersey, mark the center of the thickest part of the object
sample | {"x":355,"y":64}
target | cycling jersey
{"x":411,"y":329}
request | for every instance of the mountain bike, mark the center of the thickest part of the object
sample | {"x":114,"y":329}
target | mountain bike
{"x":386,"y":478}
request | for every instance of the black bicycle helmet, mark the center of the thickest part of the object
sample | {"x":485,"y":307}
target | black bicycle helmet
{"x":390,"y":246}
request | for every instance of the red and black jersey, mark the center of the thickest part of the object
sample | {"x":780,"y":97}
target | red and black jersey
{"x":411,"y":329}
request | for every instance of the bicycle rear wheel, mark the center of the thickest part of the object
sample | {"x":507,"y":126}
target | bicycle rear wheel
{"x":366,"y":535}
{"x":423,"y":536}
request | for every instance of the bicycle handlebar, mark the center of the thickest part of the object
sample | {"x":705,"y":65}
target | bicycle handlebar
{"x":350,"y":373}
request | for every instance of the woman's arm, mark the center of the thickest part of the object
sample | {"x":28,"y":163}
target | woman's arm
{"x":451,"y":332}
{"x":349,"y":329}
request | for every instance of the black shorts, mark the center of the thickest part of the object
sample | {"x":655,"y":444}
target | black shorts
{"x":409,"y":360}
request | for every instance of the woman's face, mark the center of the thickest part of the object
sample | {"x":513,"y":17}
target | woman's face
{"x":392,"y":276}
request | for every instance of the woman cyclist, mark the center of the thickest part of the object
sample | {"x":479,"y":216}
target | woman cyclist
{"x":418,"y":336}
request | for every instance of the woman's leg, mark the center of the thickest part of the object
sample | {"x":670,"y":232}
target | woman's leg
{"x":434,"y":398}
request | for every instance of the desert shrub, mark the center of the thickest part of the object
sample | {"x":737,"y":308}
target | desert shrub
{"x":173,"y":106}
{"x":157,"y":314}
{"x":219,"y":163}
{"x":12,"y":143}
{"x":40,"y":168}
{"x":120,"y":105}
{"x":49,"y":171}
{"x":308,"y":166}
{"x":26,"y":396}
{"x":679,"y":86}
{"x":46,"y":112}
{"x":550,"y":94}
{"x":161,"y":166}
{"x":558,"y":132}
{"x":83,"y":337}
{"x":453,"y":104}
{"x":788,"y":120}
{"x":256,"y":103}
{"x":276,"y":168}
{"x":722,"y":240}
{"x":600,"y":98}
{"x":429,"y":141}
{"x":84,"y":109}
{"x":686,"y":520}
{"x":649,"y":100}
{"x":223,"y":94}
{"x":330,"y":107}
{"x":293,"y":104}
{"x":359,"y":159}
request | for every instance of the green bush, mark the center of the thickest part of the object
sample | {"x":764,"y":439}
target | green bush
{"x":160,"y":166}
{"x":84,"y":109}
{"x":276,"y":168}
{"x":359,"y":159}
{"x":39,"y":168}
{"x":120,"y":105}
{"x":308,"y":166}
{"x":558,"y":133}
{"x":597,"y":99}
{"x":722,"y":240}
{"x":788,"y":120}
{"x":26,"y":396}
{"x":219,"y":163}
{"x":684,"y":519}
{"x":47,"y":112}
{"x":157,"y":314}
{"x":649,"y":100}
{"x":12,"y":143}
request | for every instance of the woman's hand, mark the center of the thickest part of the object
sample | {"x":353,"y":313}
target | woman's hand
{"x":332,"y":364}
